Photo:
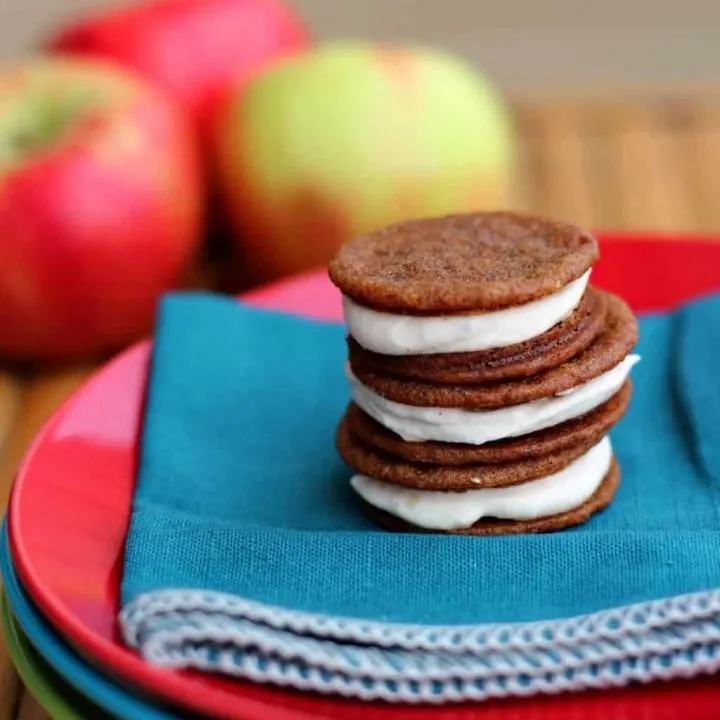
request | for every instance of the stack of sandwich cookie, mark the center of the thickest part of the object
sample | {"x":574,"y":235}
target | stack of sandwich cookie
{"x":486,"y":373}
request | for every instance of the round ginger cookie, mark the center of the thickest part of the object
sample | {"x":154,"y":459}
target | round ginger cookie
{"x":586,"y":430}
{"x":602,"y":497}
{"x":561,"y":343}
{"x":473,"y":261}
{"x":376,"y":465}
{"x":610,"y":347}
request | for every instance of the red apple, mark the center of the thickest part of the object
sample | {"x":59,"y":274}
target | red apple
{"x":100,"y":206}
{"x":194,"y":49}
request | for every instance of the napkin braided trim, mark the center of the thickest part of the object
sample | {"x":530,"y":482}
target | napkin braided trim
{"x":252,"y":664}
{"x":173,"y":637}
{"x":664,"y":639}
{"x":705,"y":659}
{"x":607,"y":624}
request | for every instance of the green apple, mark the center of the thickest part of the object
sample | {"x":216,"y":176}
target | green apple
{"x":353,"y":136}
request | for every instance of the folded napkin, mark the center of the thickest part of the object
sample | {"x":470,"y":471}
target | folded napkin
{"x":248,"y":554}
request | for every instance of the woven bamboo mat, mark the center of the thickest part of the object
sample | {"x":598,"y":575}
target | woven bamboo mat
{"x":649,"y":164}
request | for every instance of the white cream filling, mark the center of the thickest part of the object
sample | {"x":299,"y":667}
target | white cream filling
{"x":476,"y":427}
{"x":390,"y":334}
{"x":434,"y":510}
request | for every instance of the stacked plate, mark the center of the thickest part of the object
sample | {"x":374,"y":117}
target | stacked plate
{"x":61,"y":548}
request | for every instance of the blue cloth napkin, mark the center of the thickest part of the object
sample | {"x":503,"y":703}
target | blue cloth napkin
{"x":248,"y":553}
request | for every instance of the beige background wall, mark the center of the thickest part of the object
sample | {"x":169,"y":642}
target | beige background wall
{"x":527,"y":45}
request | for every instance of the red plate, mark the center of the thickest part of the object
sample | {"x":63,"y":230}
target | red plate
{"x":71,"y":502}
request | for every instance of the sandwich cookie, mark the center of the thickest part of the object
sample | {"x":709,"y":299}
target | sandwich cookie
{"x":609,"y":350}
{"x":598,"y":501}
{"x":386,"y":468}
{"x":477,"y":427}
{"x":561,"y":342}
{"x":462,"y":283}
{"x":485,"y":374}
{"x":585,"y":430}
{"x":565,"y":490}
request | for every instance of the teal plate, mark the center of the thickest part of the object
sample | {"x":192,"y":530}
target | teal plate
{"x":50,"y":691}
{"x":98,"y":695}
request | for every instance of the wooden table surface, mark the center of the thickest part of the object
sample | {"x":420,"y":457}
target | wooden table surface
{"x":639,"y":164}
